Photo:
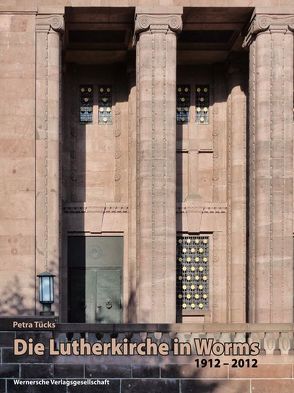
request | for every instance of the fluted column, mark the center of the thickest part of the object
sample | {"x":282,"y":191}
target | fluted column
{"x":156,"y":163}
{"x":270,"y":39}
{"x":236,"y":175}
{"x":48,"y":72}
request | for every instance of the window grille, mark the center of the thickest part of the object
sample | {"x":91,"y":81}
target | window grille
{"x":86,"y":104}
{"x":105,"y":105}
{"x":183,"y":103}
{"x":192,"y":272}
{"x":202,"y":104}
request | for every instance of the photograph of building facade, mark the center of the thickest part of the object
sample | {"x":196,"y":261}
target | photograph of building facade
{"x":147,"y":162}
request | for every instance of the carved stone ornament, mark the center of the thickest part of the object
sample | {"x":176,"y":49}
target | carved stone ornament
{"x":46,"y":22}
{"x":266,"y":22}
{"x":157,"y":22}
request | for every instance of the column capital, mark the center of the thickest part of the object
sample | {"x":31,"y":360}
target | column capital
{"x":266,"y":22}
{"x":46,"y":22}
{"x":154,"y":20}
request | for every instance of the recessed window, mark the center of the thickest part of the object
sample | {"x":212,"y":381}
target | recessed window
{"x":192,"y":272}
{"x":183,"y":104}
{"x":86,"y":104}
{"x":202,"y":104}
{"x":105,"y":105}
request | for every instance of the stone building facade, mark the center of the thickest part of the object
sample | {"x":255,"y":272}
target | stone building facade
{"x":147,"y":160}
{"x":146,"y":157}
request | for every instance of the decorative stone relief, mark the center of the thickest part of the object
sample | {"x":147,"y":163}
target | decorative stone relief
{"x":155,"y":23}
{"x":45,"y":22}
{"x":266,"y":22}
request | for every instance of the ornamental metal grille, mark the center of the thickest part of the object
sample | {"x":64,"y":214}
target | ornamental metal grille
{"x":86,"y":104}
{"x":192,"y":272}
{"x":202,"y":104}
{"x":183,"y":103}
{"x":105,"y":105}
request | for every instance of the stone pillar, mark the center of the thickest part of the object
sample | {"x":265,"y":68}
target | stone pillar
{"x":48,"y":71}
{"x":156,"y":163}
{"x":270,"y":39}
{"x":236,"y":180}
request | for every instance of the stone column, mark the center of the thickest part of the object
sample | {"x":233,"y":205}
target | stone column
{"x":270,"y":39}
{"x":236,"y":180}
{"x":48,"y":71}
{"x":156,"y":163}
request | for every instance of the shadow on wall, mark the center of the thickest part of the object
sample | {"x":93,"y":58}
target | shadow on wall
{"x":14,"y":297}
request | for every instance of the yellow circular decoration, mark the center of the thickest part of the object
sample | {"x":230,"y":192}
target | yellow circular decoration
{"x":188,"y":259}
{"x":205,"y":109}
{"x":188,"y":296}
{"x":192,"y":249}
{"x":89,"y":89}
{"x":82,"y":90}
{"x":184,"y":305}
{"x":204,"y":278}
{"x":184,"y":250}
{"x":204,"y":259}
{"x":105,"y":119}
{"x":101,"y":90}
{"x":198,"y":109}
{"x":205,"y":241}
{"x":108,"y":109}
{"x":108,"y":90}
{"x":180,"y":296}
{"x":183,"y":99}
{"x":188,"y":278}
{"x":180,"y":278}
{"x":184,"y":268}
{"x":200,"y":305}
{"x":204,"y":296}
{"x":196,"y":296}
{"x":201,"y":268}
{"x":186,"y":89}
{"x":197,"y":278}
{"x":180,"y":240}
{"x":198,"y":89}
{"x":179,"y":89}
{"x":184,"y":287}
{"x":200,"y":287}
{"x":202,"y":119}
{"x":205,"y":89}
{"x":101,"y":109}
{"x":192,"y":269}
{"x":188,"y":241}
{"x":192,"y":305}
{"x":197,"y":241}
{"x":197,"y":259}
{"x":192,"y":286}
{"x":200,"y":250}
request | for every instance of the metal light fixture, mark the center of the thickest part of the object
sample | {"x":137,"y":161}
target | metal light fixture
{"x":46,"y":292}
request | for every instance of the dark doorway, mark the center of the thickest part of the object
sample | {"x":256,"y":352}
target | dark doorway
{"x":95,"y":279}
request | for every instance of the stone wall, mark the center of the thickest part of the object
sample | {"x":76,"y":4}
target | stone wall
{"x":17,"y":163}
